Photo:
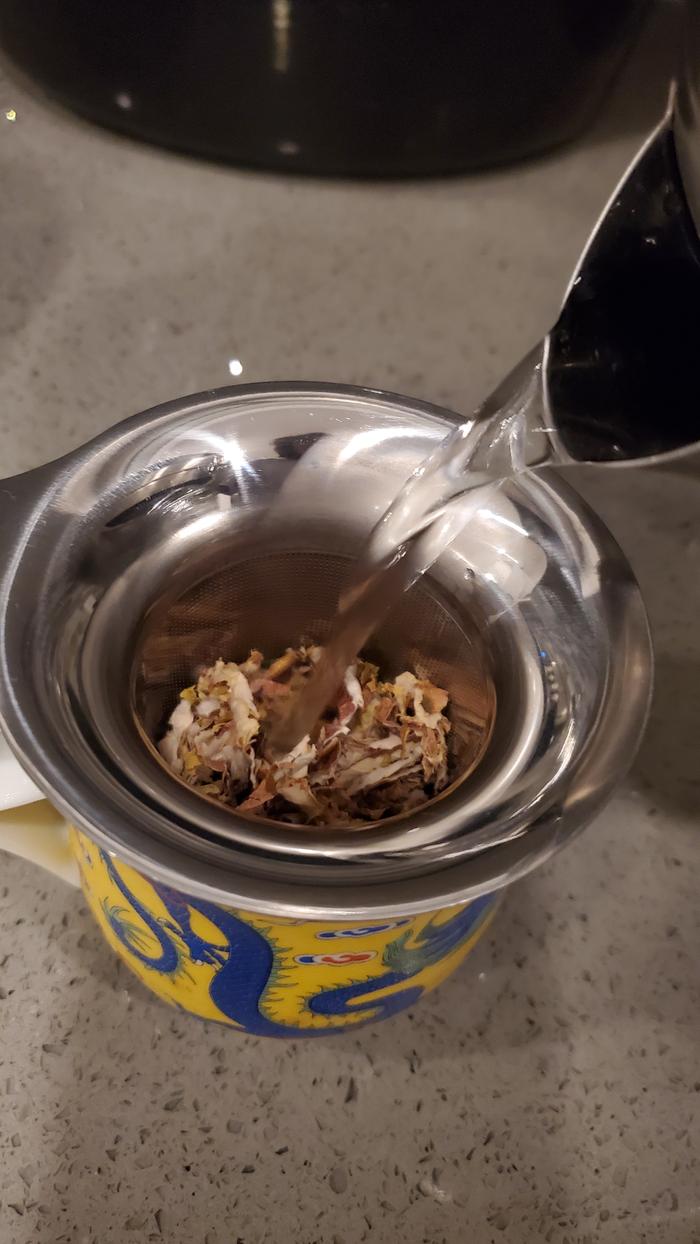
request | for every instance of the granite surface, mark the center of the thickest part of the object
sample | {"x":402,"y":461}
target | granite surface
{"x":550,"y":1091}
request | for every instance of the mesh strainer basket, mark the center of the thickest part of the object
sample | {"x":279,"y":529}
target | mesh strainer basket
{"x":280,"y":598}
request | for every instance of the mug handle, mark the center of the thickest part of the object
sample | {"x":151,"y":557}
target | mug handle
{"x":29,"y":826}
{"x":38,"y":833}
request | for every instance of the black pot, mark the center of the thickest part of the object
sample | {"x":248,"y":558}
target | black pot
{"x":361,"y":87}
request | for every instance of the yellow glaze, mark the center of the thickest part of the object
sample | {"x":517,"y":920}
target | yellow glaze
{"x":272,"y":976}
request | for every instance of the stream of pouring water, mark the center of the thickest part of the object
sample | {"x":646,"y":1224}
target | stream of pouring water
{"x":504,"y":436}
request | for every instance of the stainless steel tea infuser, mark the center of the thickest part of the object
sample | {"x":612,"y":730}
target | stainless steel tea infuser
{"x":215,"y":522}
{"x":228,"y":519}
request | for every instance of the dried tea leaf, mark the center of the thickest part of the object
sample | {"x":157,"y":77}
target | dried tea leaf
{"x":380,"y":750}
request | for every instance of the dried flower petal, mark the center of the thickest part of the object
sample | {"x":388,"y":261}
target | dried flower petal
{"x":383,"y":751}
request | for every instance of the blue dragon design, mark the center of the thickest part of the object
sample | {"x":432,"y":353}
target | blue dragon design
{"x":245,"y":960}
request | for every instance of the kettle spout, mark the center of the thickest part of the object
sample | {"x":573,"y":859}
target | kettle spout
{"x":620,"y":370}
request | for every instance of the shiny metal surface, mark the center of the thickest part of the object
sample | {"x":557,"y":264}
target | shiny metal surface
{"x":686,"y":121}
{"x":619,"y":370}
{"x":618,"y":374}
{"x":96,"y":546}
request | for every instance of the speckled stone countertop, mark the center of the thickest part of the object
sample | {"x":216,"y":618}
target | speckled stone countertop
{"x":551,"y":1090}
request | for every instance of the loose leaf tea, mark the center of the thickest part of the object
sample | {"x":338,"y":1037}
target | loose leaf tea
{"x":379,"y":749}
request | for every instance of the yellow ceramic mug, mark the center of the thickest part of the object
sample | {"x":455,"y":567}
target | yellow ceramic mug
{"x":268,"y":976}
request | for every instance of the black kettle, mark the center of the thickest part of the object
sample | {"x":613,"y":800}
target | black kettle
{"x":621,"y":367}
{"x":359,"y":87}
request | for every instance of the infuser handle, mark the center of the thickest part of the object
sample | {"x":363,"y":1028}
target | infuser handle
{"x":17,"y":495}
{"x":29,"y":826}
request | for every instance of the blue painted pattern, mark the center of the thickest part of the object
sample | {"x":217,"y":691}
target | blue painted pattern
{"x":244,"y":959}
